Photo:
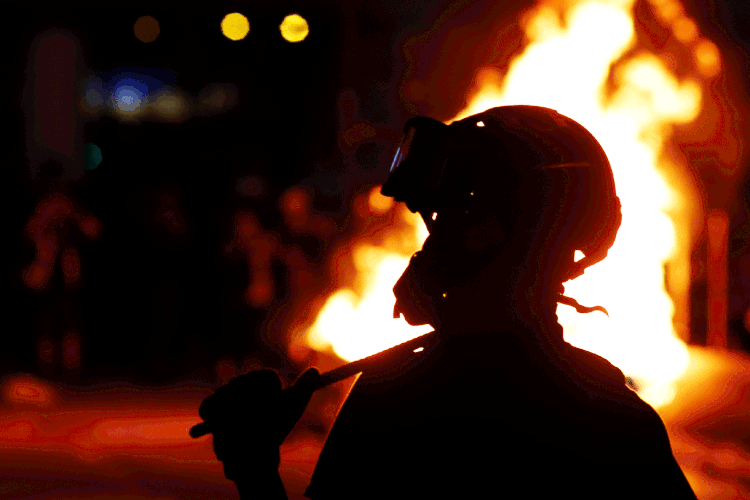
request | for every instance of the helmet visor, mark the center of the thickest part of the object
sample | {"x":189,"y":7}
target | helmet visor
{"x":403,"y":148}
{"x":419,"y":163}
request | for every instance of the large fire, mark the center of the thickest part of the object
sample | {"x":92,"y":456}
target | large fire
{"x":581,"y":61}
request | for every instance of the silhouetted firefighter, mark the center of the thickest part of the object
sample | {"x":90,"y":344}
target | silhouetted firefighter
{"x":497,"y":405}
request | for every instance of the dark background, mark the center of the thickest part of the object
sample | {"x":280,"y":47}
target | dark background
{"x":162,"y":299}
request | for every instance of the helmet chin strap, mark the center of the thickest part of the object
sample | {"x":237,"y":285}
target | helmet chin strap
{"x":418,"y":303}
{"x":568,"y":301}
{"x":577,"y":270}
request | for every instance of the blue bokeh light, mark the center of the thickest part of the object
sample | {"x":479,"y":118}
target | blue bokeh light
{"x":128,"y":94}
{"x":129,"y":89}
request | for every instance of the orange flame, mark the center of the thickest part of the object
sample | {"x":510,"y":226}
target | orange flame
{"x":583,"y":62}
{"x":632,"y":120}
{"x":356,"y":320}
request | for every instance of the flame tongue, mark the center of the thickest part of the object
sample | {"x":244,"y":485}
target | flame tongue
{"x":354,"y":322}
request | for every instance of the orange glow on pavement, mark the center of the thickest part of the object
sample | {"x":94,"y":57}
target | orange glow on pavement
{"x":27,"y":389}
{"x":125,"y":438}
{"x":143,"y":432}
{"x":118,"y":442}
{"x":97,"y":420}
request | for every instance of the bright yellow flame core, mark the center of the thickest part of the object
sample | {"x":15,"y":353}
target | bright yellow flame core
{"x":294,"y":28}
{"x":566,"y":66}
{"x":356,"y":321}
{"x":235,"y":26}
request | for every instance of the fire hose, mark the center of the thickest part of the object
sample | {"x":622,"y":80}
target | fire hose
{"x":369,"y":363}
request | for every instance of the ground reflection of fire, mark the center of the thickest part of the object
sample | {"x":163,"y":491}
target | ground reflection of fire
{"x":116,"y":441}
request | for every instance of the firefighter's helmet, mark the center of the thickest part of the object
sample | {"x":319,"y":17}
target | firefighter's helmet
{"x":479,"y":162}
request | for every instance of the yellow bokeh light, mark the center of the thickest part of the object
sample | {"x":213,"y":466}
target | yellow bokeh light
{"x":294,"y":28}
{"x":235,"y":26}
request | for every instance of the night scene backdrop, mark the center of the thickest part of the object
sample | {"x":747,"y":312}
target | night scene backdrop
{"x":180,"y":206}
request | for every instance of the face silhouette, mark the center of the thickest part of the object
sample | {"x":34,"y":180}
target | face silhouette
{"x":459,"y":248}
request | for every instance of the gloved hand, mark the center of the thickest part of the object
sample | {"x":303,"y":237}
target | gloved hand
{"x":249,"y":418}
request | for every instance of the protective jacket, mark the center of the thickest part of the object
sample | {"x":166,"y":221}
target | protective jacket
{"x":511,"y":420}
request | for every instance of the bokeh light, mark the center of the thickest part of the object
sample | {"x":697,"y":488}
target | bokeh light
{"x":216,"y":98}
{"x":92,"y":156}
{"x":146,"y":29}
{"x":685,"y":29}
{"x":294,"y":28}
{"x":128,"y":94}
{"x":71,"y":350}
{"x":252,"y":187}
{"x":71,"y":266}
{"x":235,"y":26}
{"x":169,"y":104}
{"x":707,"y":59}
{"x":94,"y":95}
